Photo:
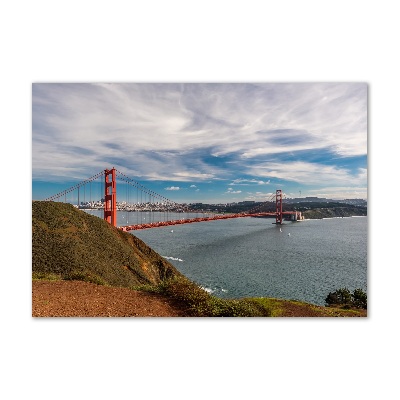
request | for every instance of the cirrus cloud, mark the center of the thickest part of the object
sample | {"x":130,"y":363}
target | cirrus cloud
{"x":242,"y":133}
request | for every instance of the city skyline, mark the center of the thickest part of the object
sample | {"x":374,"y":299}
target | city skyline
{"x":200,"y":142}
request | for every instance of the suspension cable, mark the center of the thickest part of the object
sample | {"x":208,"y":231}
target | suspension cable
{"x":71,"y":189}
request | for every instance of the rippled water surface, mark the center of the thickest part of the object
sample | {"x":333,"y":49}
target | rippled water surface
{"x":251,"y":256}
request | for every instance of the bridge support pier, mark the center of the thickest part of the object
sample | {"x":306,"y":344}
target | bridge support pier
{"x":110,"y":197}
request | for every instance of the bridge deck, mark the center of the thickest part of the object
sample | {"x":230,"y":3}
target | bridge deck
{"x":201,"y":219}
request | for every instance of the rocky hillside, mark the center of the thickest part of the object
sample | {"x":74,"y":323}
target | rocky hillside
{"x":71,"y":244}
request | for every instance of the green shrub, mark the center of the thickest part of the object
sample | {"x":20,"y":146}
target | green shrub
{"x":343,"y":297}
{"x":359,"y":298}
{"x":202,"y":304}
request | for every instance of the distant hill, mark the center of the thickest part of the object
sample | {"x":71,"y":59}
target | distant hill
{"x":338,"y":208}
{"x":70,"y":244}
{"x":333,"y":211}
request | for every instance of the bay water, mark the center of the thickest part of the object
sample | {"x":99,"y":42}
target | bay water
{"x":252,"y":257}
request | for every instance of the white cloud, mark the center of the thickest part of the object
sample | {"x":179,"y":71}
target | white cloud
{"x":172,"y":188}
{"x":231,"y":191}
{"x":190,"y":175}
{"x":247,"y":182}
{"x":193,"y":186}
{"x":308,"y":173}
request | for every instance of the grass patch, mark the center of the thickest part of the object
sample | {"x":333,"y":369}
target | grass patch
{"x":199,"y":303}
{"x":275,"y":306}
{"x":48,"y":276}
{"x":75,"y":275}
{"x":86,"y":276}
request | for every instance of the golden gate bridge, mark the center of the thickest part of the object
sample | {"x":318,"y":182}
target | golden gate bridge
{"x":154,"y":201}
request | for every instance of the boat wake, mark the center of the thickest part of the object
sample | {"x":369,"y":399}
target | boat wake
{"x":173,"y":258}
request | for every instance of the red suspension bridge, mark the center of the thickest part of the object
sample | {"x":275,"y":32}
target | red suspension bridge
{"x":149,"y":201}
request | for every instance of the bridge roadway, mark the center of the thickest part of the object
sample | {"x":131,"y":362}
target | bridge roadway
{"x":201,"y":219}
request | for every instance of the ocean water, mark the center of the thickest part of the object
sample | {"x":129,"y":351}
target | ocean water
{"x":246,"y":257}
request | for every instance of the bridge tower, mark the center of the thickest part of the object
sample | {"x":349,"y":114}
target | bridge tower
{"x":110,"y":197}
{"x":278,"y":199}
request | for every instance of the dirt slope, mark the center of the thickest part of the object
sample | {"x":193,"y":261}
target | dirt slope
{"x":83,"y":299}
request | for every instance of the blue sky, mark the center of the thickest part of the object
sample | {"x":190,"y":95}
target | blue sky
{"x":204,"y":142}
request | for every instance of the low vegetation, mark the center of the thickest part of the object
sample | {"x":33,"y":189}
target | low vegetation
{"x":344,"y":298}
{"x":199,"y":303}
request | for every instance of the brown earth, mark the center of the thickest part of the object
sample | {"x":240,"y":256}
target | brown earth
{"x":83,"y":299}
